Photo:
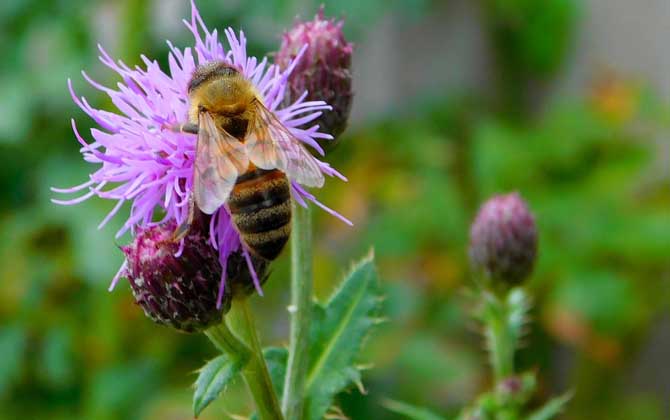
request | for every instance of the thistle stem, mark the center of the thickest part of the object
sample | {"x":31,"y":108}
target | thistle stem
{"x":501,"y":342}
{"x":226,"y":342}
{"x":301,"y":299}
{"x":255,"y":372}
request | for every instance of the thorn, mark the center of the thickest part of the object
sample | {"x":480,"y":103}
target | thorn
{"x":361,"y":388}
{"x":336,"y":413}
{"x":380,"y":320}
{"x":365,"y":366}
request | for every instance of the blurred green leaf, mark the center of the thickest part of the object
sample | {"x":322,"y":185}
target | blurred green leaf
{"x":608,"y":301}
{"x":533,"y":36}
{"x":57,"y":358}
{"x":276,"y":359}
{"x":337,"y":333}
{"x":410,"y":411}
{"x":518,"y":308}
{"x":213,"y":379}
{"x":114,"y":392}
{"x":551,"y":408}
{"x":13,"y":342}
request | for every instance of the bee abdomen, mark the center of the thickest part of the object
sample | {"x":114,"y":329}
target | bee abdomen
{"x":260,"y":205}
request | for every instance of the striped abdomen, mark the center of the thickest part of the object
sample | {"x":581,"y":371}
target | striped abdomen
{"x":260,"y":204}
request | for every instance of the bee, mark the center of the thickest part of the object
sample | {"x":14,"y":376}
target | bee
{"x":244,"y":159}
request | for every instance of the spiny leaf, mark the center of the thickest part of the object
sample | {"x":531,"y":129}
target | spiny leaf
{"x":212,"y":379}
{"x":505,"y":319}
{"x":518,"y":306}
{"x":410,"y":411}
{"x":337,"y":333}
{"x":551,"y":409}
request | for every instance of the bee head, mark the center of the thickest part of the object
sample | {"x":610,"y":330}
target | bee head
{"x":219,"y":88}
{"x":211,"y":71}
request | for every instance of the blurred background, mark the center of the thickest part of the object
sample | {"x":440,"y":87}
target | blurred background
{"x":565,"y":101}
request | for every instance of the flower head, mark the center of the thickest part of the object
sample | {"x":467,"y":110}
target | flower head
{"x":503,"y":239}
{"x":324,"y":70}
{"x":143,"y":163}
{"x":177,"y":291}
{"x":182,"y":291}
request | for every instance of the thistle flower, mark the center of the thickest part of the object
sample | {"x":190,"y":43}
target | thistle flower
{"x":177,"y":291}
{"x":503,"y":239}
{"x":144,"y":163}
{"x":324,"y":70}
{"x":182,"y":291}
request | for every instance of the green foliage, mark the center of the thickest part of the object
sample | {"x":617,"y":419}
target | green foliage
{"x":410,"y":411}
{"x":338,"y":330}
{"x":12,"y":348}
{"x":551,"y":408}
{"x":533,"y":36}
{"x":213,"y":379}
{"x":518,"y":306}
{"x":276,"y":359}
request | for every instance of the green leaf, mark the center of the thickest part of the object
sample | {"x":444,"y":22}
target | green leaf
{"x":518,"y":307}
{"x":276,"y":359}
{"x":551,"y":409}
{"x":410,"y":411}
{"x":212,"y":379}
{"x":12,"y":345}
{"x":337,"y":333}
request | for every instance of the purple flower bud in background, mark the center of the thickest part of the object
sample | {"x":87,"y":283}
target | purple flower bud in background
{"x":503,"y":239}
{"x":324,"y":70}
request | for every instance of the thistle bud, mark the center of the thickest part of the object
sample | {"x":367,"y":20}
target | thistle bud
{"x":324,"y":70}
{"x":503,"y":239}
{"x":177,"y":291}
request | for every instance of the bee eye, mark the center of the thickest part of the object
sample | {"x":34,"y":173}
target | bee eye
{"x":201,"y":108}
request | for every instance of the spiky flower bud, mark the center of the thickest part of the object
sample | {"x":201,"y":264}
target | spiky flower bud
{"x":177,"y":291}
{"x":324,"y":70}
{"x":503,"y":239}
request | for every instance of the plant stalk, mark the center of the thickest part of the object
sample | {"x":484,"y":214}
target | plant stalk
{"x":501,"y":343}
{"x":300,"y":310}
{"x":255,"y":371}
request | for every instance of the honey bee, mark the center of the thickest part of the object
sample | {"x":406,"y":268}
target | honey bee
{"x":244,"y":159}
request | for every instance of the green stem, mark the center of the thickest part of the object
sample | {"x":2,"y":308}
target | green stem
{"x":226,"y":342}
{"x":301,"y":300}
{"x":501,"y":343}
{"x":255,"y":371}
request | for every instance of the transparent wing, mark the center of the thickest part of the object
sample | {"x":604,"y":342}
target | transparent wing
{"x":271,"y":145}
{"x":219,"y":159}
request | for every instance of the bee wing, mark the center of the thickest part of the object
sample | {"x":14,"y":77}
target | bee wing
{"x":219,"y":158}
{"x":271,"y":145}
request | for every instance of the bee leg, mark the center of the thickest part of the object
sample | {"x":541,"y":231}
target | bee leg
{"x":184,"y":128}
{"x":183,"y":229}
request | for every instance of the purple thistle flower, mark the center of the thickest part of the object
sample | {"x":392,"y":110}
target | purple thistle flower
{"x":182,"y":291}
{"x":143,"y":162}
{"x":179,"y":292}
